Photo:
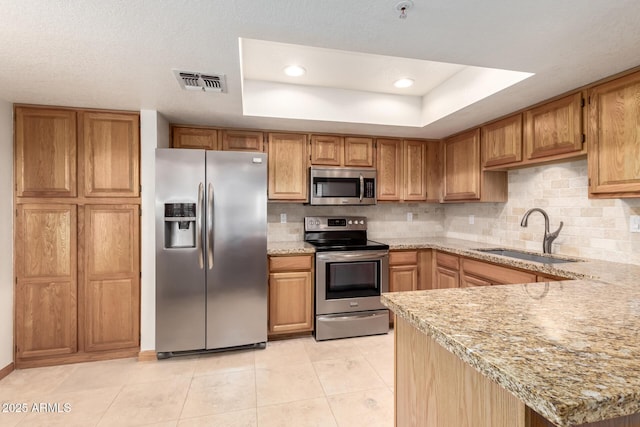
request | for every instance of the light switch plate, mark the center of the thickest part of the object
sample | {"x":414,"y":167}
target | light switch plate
{"x":409,"y":216}
{"x":472,"y":219}
{"x":634,"y":223}
{"x":283,"y":218}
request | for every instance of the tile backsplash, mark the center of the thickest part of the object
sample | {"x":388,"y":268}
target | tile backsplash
{"x":592,"y":228}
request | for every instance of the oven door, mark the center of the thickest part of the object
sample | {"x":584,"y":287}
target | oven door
{"x":348,"y":281}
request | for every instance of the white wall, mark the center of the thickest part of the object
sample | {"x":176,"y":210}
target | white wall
{"x":154,"y":133}
{"x":6,"y":234}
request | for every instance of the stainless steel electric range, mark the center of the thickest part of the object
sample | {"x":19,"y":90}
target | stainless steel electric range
{"x":351,"y":273}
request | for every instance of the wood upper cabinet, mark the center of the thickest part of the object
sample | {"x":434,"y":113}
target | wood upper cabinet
{"x":502,"y":142}
{"x":462,"y":167}
{"x":110,"y":277}
{"x":464,"y":179}
{"x":614,"y":138}
{"x":199,"y":138}
{"x":358,"y":151}
{"x":46,"y":289}
{"x":554,"y":129}
{"x":288,"y":174}
{"x":415,"y":170}
{"x":290,"y":294}
{"x":242,"y":140}
{"x":446,"y":273}
{"x":335,"y":150}
{"x":45,"y":152}
{"x":389,"y":168}
{"x":327,"y":150}
{"x":110,"y":152}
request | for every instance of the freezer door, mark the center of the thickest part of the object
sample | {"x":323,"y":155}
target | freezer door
{"x":180,"y":273}
{"x":236,"y":253}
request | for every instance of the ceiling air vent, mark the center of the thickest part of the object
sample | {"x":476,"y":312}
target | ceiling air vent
{"x":198,"y":81}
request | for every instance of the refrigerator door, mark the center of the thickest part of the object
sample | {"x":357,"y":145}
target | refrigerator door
{"x":180,"y":273}
{"x":236,"y":253}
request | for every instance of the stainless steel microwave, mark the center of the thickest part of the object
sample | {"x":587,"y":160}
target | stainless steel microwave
{"x":342,"y":186}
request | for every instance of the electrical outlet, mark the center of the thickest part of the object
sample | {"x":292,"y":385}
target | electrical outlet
{"x":283,"y":218}
{"x":409,"y":216}
{"x":634,"y":223}
{"x":472,"y":219}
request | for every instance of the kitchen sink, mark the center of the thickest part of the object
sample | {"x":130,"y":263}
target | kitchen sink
{"x":528,"y":256}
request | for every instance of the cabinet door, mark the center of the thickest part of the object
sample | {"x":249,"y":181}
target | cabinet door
{"x":110,"y":150}
{"x":403,"y":278}
{"x":288,"y":174}
{"x":326,"y":150}
{"x":198,"y":138}
{"x":554,"y":128}
{"x":290,"y":302}
{"x":469,"y":281}
{"x":462,"y":167}
{"x":46,"y":289}
{"x":358,"y":151}
{"x":242,"y":140}
{"x":446,"y":278}
{"x":110,"y":276}
{"x":614,"y":137}
{"x":502,"y":142}
{"x":415,"y":176}
{"x":45,"y":157}
{"x":433,"y":165}
{"x":389,"y":165}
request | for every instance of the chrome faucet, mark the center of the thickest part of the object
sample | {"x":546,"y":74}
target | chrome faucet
{"x":548,"y":237}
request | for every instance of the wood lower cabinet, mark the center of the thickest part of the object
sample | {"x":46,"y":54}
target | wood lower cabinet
{"x":403,"y":272}
{"x":446,"y":273}
{"x":197,"y":138}
{"x":614,"y":138}
{"x":291,"y":294}
{"x":554,"y":130}
{"x":111,"y":277}
{"x":45,"y":152}
{"x":480,"y":273}
{"x":464,"y":179}
{"x":288,"y":175}
{"x":46,"y":280}
{"x":109,"y":148}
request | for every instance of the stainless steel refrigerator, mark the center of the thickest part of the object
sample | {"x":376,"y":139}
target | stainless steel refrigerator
{"x":211,"y":250}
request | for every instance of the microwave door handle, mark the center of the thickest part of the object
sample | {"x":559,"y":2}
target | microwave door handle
{"x":199,"y":240}
{"x":361,"y":187}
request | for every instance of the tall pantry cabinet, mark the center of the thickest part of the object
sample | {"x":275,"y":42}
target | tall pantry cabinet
{"x":77,"y":235}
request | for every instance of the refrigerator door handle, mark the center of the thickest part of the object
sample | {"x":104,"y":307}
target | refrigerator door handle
{"x":210,"y":228}
{"x":199,"y":240}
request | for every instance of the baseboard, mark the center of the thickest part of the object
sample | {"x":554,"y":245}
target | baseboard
{"x":6,"y":370}
{"x":147,"y":356}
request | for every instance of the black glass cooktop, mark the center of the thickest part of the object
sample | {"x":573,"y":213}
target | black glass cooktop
{"x":347,"y":245}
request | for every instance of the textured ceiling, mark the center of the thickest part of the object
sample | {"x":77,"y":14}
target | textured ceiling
{"x":119,"y":54}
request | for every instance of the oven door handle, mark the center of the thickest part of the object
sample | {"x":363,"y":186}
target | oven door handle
{"x":352,"y":256}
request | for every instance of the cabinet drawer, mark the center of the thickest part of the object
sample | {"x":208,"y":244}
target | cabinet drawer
{"x":447,"y":260}
{"x":290,"y":263}
{"x":495,"y":273}
{"x":403,"y":257}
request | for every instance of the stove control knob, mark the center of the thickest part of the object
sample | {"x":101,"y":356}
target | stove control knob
{"x":350,"y":222}
{"x":361,"y":221}
{"x":317,"y":222}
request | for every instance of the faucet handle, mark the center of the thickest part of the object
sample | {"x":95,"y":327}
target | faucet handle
{"x":555,"y":233}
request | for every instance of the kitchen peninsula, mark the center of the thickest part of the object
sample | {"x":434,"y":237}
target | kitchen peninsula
{"x":540,"y":354}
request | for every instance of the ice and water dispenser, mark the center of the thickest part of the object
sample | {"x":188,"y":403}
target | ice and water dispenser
{"x":179,"y":225}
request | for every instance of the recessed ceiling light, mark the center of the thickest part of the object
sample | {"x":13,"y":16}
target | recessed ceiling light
{"x":294,"y":71}
{"x":402,"y":83}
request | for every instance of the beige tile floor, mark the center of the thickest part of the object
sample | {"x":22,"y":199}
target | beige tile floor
{"x":297,"y":382}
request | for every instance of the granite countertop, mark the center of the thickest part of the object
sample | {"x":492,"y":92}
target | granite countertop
{"x":570,"y":350}
{"x":289,"y":248}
